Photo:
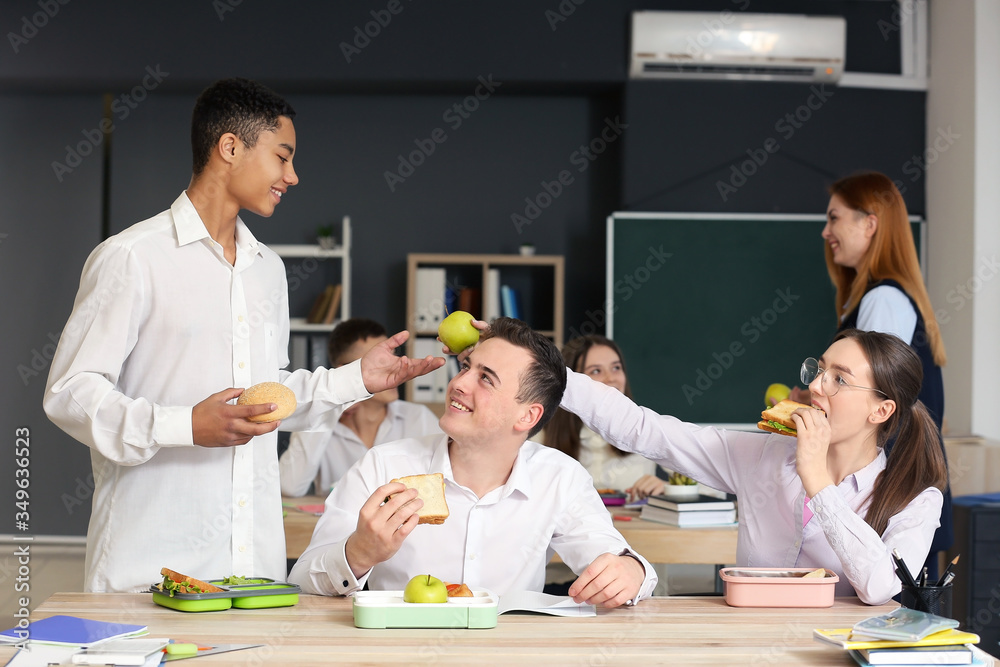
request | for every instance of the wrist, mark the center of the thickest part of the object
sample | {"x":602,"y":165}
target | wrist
{"x":355,"y":557}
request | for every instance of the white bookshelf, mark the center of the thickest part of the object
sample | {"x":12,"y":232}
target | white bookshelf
{"x":342,"y":252}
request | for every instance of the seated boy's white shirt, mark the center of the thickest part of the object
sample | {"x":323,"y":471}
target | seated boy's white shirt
{"x":500,"y":542}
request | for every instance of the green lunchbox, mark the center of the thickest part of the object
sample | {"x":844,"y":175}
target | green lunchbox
{"x":255,"y":594}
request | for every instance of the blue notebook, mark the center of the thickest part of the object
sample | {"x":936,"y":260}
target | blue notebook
{"x":71,"y":631}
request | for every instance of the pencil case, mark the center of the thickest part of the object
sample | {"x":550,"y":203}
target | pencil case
{"x":255,"y":594}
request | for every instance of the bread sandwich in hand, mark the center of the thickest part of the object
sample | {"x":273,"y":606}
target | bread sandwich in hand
{"x":779,"y":418}
{"x":269,"y":392}
{"x":430,"y":489}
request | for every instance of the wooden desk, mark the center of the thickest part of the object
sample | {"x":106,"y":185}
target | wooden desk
{"x":657,"y":542}
{"x":320,"y":630}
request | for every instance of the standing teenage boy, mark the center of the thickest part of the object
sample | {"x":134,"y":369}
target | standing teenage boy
{"x":174,"y":317}
{"x":512,"y":502}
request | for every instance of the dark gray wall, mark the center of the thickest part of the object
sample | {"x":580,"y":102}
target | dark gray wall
{"x":47,"y":229}
{"x":560,"y":80}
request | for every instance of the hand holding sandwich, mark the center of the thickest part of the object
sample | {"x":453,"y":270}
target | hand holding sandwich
{"x":386,"y":519}
{"x":811,"y":450}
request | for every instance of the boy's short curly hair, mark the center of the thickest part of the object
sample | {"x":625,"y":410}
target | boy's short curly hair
{"x":241,"y":106}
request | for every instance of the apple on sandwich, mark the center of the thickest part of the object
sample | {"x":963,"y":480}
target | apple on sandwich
{"x":779,"y":418}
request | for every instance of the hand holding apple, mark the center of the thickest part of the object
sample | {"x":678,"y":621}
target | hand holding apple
{"x":457,"y":331}
{"x":775,"y":394}
{"x":425,"y":588}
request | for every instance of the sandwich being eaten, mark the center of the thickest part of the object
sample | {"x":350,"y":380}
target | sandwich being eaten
{"x":779,"y":418}
{"x":430,"y":489}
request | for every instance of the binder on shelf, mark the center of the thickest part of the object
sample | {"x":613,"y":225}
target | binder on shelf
{"x":491,"y":298}
{"x":510,"y":302}
{"x":425,"y":386}
{"x":318,"y":355}
{"x":430,"y":298}
{"x":470,"y":299}
{"x":299,"y":351}
{"x":450,"y":299}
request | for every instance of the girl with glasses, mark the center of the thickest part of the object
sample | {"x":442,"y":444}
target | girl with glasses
{"x":830,"y":497}
{"x":872,"y":261}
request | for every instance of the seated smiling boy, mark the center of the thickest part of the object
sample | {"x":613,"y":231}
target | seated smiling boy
{"x":512,"y":502}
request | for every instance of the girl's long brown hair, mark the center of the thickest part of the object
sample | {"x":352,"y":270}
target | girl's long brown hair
{"x":915,"y":461}
{"x":892,"y":254}
{"x":563,"y":431}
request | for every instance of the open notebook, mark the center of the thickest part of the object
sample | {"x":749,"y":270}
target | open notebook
{"x":543,"y":603}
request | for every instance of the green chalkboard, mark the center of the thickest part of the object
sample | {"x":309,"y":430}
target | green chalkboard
{"x":710,"y":309}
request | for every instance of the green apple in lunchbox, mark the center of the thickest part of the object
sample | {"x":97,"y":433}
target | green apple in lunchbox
{"x":425,"y":588}
{"x":456,"y":331}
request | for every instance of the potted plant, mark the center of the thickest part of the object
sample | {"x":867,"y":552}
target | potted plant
{"x":324,"y":237}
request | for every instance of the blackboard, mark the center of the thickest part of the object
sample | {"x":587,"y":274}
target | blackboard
{"x":710,"y":309}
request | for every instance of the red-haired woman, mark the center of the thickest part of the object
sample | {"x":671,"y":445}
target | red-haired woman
{"x":872,"y":261}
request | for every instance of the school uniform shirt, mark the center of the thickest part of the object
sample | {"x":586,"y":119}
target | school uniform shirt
{"x":500,"y":542}
{"x":324,"y":457}
{"x":760,"y":469}
{"x":161,"y":322}
{"x":609,"y":469}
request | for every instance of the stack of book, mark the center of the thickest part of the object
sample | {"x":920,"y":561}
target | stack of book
{"x":325,"y":307}
{"x":697,"y":510}
{"x":905,"y":637}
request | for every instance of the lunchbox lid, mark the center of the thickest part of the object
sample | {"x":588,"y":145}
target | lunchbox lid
{"x":261,"y":586}
{"x":777,"y":575}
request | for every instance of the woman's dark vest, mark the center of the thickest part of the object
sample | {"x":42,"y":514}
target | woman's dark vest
{"x":931,"y":395}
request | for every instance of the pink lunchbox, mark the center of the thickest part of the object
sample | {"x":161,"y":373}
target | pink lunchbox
{"x":777,"y":587}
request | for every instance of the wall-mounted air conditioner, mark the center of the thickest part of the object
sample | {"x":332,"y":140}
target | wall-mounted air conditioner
{"x":736,"y":45}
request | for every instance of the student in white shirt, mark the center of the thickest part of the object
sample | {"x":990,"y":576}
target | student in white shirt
{"x":512,"y":502}
{"x":324,"y":456}
{"x":180,"y":307}
{"x":829,"y":497}
{"x":601,"y":359}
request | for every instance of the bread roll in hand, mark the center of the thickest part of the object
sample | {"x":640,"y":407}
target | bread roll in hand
{"x":269,"y":392}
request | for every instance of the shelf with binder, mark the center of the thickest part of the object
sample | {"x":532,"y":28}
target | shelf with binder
{"x":319,"y":294}
{"x":438,"y":284}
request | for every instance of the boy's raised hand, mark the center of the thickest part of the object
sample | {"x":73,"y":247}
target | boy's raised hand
{"x":381,"y":369}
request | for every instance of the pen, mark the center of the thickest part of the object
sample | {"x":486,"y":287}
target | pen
{"x":901,"y":571}
{"x":620,"y":517}
{"x":923,"y":577}
{"x":947,"y":571}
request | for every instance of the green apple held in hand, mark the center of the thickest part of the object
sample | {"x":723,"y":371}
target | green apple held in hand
{"x":425,"y":588}
{"x":456,"y":331}
{"x":775,"y":394}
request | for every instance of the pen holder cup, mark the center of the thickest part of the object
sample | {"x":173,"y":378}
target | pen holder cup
{"x":931,"y":599}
